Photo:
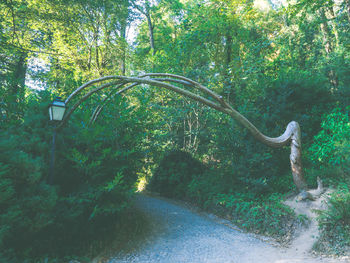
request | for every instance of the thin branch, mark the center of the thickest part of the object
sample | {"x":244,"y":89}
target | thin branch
{"x":137,"y":7}
{"x":99,"y":109}
{"x":85,"y":97}
{"x":104,"y":101}
{"x":195,"y":84}
{"x":114,"y":92}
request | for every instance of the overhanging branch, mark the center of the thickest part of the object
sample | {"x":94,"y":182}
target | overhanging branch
{"x":291,"y":134}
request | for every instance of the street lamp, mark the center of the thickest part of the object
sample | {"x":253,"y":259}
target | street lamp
{"x":57,"y":109}
{"x":56,"y":112}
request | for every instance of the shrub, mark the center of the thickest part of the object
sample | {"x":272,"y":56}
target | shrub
{"x":203,"y":188}
{"x":331,"y":145}
{"x":335,"y":223}
{"x":174,"y":173}
{"x":27,"y":203}
{"x":95,"y":173}
{"x":264,"y":216}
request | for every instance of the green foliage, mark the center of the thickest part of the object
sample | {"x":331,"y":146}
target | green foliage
{"x":274,"y":66}
{"x":180,"y":175}
{"x":204,"y":187}
{"x":264,"y":216}
{"x":331,"y":145}
{"x":335,"y":223}
{"x":330,"y":152}
{"x":94,"y":181}
{"x":97,"y":169}
{"x":26,"y":201}
{"x":174,"y":173}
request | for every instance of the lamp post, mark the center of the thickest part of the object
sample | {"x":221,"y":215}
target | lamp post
{"x":56,"y":113}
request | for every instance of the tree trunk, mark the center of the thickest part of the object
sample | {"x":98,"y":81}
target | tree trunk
{"x":123,"y":36}
{"x":325,"y":32}
{"x":228,"y":58}
{"x":16,"y":94}
{"x":19,"y":75}
{"x":150,"y":29}
{"x":334,"y":25}
{"x":328,"y":46}
{"x":295,"y":159}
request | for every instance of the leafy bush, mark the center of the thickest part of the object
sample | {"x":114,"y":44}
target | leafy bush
{"x":95,"y":184}
{"x":330,"y":151}
{"x":332,"y":144}
{"x":174,"y":173}
{"x":335,"y":223}
{"x":203,"y":188}
{"x":27,"y":203}
{"x":264,"y":216}
{"x":94,"y":180}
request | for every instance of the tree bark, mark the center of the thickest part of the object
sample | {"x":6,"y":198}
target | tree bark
{"x":19,"y":75}
{"x":123,"y":36}
{"x":295,"y":159}
{"x":150,"y":29}
{"x":328,"y":46}
{"x":16,"y":92}
{"x":325,"y":32}
{"x":228,"y":58}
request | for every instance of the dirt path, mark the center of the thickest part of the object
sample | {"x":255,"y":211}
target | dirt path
{"x":186,"y":236}
{"x":304,"y":242}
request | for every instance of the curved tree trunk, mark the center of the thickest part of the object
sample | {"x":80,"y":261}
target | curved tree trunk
{"x":295,"y":158}
{"x":291,"y":135}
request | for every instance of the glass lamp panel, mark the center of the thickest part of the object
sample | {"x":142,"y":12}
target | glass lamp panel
{"x":58,"y":113}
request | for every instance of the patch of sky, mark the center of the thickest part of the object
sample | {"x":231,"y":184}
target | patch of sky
{"x":36,"y":65}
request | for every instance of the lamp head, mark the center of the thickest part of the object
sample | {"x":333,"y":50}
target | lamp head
{"x":57,"y":109}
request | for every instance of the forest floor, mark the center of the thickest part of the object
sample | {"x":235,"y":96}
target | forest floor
{"x":180,"y":233}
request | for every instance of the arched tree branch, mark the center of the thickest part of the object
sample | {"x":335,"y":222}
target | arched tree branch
{"x":115,"y":92}
{"x":291,"y":135}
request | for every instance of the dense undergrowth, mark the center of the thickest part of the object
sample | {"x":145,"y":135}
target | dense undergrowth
{"x":331,"y":150}
{"x":334,"y":223}
{"x":93,"y":184}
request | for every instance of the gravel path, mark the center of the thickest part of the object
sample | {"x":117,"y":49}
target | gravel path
{"x":186,"y":236}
